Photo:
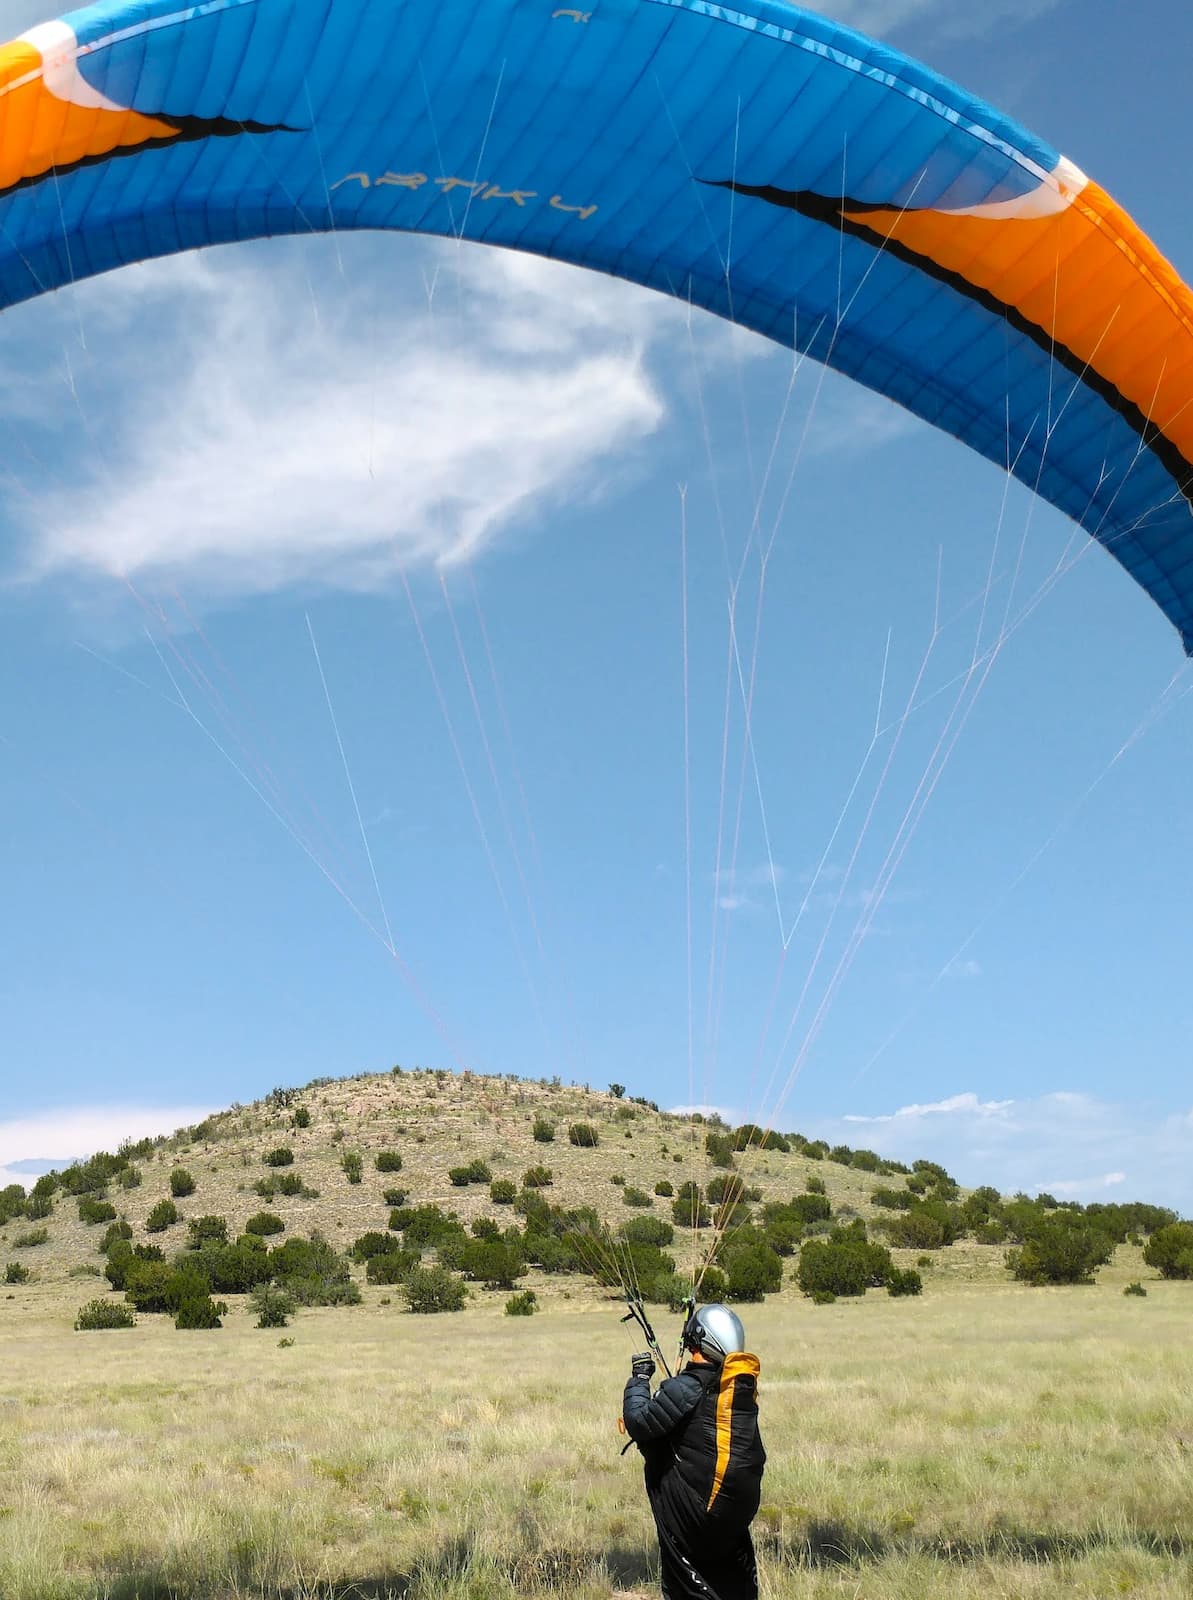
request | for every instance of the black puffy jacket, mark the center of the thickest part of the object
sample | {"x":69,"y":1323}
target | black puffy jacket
{"x":699,"y":1436}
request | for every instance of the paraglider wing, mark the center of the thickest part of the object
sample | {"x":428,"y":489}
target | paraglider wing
{"x":759,"y":161}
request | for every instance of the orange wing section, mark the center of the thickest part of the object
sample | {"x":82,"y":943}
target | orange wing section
{"x":40,"y":132}
{"x":1088,"y":277}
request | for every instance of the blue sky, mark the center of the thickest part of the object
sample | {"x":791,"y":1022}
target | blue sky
{"x":272,"y":443}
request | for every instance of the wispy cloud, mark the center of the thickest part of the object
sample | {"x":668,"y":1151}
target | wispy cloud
{"x":1083,"y":1186}
{"x":967,"y":1105}
{"x":44,"y":1138}
{"x":1094,"y":1144}
{"x":285,"y":446}
{"x":748,"y":888}
{"x":963,"y":970}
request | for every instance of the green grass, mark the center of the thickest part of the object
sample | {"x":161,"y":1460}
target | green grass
{"x":988,"y":1440}
{"x":985,"y":1442}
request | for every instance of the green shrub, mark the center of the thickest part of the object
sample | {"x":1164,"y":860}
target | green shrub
{"x":845,"y":1263}
{"x":147,"y":1284}
{"x":92,"y":1211}
{"x":432,"y":1289}
{"x":688,"y":1208}
{"x":292,"y":1185}
{"x":866,"y":1161}
{"x":1170,"y":1250}
{"x":635,"y":1197}
{"x":584,"y":1135}
{"x":503,"y":1192}
{"x":373,"y":1243}
{"x":200,"y":1311}
{"x":714,"y":1284}
{"x":726,"y":1186}
{"x":353,"y":1166}
{"x":904,"y":1281}
{"x":720,"y":1149}
{"x":395,"y":1266}
{"x":1061,"y":1248}
{"x":750,"y":1134}
{"x":264,"y":1224}
{"x":664,"y":1189}
{"x":522,"y":1305}
{"x":117,"y":1230}
{"x":396,"y":1197}
{"x":543,"y":1131}
{"x":648,"y":1230}
{"x":474,"y":1172}
{"x":206,"y":1231}
{"x":30,"y":1238}
{"x":14,"y":1272}
{"x":822,"y":1297}
{"x":164,"y":1215}
{"x":39,"y":1206}
{"x":283,"y":1156}
{"x":423,"y":1225}
{"x":236,"y":1268}
{"x":892,"y":1199}
{"x":753,"y":1272}
{"x":814,"y":1184}
{"x":302,"y":1119}
{"x":537,"y":1178}
{"x":98,"y":1314}
{"x":130,"y":1178}
{"x":783,"y":1235}
{"x":1136,"y":1289}
{"x":486,"y":1228}
{"x":181,"y":1183}
{"x":121,"y":1254}
{"x":388,"y":1161}
{"x":273,"y":1306}
{"x":313,"y":1272}
{"x":497,"y":1263}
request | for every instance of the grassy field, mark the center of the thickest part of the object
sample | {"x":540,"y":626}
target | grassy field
{"x":983,"y":1441}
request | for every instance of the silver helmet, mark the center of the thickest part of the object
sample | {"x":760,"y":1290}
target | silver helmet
{"x":715,"y":1331}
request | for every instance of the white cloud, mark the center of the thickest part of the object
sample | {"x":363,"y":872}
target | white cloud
{"x":73,"y":1132}
{"x":1022,"y":1144}
{"x":273,"y":446}
{"x":956,"y":1105}
{"x":748,"y":888}
{"x":1081,"y":1186}
{"x":941,"y":18}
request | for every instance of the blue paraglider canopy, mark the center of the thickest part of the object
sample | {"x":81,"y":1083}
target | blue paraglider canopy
{"x":756,"y":160}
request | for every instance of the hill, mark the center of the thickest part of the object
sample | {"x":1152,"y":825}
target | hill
{"x":340,"y":1155}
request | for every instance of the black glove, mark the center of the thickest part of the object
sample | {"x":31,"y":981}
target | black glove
{"x":642,"y":1365}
